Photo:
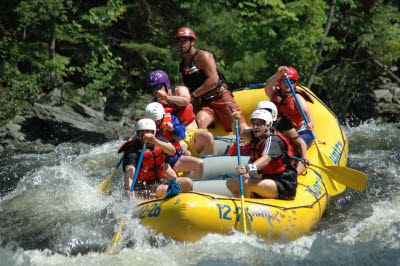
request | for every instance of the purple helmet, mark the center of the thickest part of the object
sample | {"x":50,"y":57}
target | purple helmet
{"x":159,"y":77}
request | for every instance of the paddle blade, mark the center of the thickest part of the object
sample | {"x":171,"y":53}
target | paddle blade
{"x":104,"y":187}
{"x":112,"y":247}
{"x":244,"y":224}
{"x":337,"y":186}
{"x":349,"y":177}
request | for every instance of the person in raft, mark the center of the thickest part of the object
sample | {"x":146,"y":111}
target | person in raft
{"x":285,"y":126}
{"x":208,"y":88}
{"x":271,"y":171}
{"x":176,"y":101}
{"x":169,"y":127}
{"x":286,"y":103}
{"x":154,"y":175}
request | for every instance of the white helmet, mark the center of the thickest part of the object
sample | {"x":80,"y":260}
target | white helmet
{"x":269,"y":106}
{"x":154,"y":111}
{"x":146,"y":124}
{"x":263,"y":115}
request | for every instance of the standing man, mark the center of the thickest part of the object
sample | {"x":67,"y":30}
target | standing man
{"x":208,"y":87}
{"x":176,"y":101}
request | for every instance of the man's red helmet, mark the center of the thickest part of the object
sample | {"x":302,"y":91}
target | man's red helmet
{"x":185,"y":32}
{"x":292,"y":75}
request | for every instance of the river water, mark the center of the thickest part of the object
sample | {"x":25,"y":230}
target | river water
{"x":50,"y":214}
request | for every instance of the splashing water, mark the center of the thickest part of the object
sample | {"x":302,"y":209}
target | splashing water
{"x":51,"y":214}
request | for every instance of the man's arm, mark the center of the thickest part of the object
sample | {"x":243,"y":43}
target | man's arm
{"x":166,"y":146}
{"x":270,"y":83}
{"x":183,"y":98}
{"x":244,"y":129}
{"x":206,"y":62}
{"x":307,"y":112}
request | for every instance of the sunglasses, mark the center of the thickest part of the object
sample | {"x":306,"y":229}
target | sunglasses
{"x":257,"y":124}
{"x":291,"y":81}
{"x":156,"y":87}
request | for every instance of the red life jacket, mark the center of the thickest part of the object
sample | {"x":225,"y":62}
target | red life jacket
{"x":279,"y":165}
{"x":163,"y":132}
{"x":152,"y":167}
{"x":286,"y":105}
{"x":245,"y":149}
{"x":185,"y":114}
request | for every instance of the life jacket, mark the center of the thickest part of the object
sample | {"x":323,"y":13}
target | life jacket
{"x":192,"y":76}
{"x":152,"y":167}
{"x":185,"y":114}
{"x":286,"y":105}
{"x":163,"y":132}
{"x":279,"y":165}
{"x":245,"y":149}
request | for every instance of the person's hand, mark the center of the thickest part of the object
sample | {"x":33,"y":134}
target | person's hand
{"x":241,"y":169}
{"x":281,"y":71}
{"x":149,"y":138}
{"x":305,"y":159}
{"x":235,"y":115}
{"x":310,"y":126}
{"x":161,"y":95}
{"x":169,"y":126}
{"x":130,"y":194}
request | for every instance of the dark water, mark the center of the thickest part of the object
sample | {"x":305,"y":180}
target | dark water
{"x":50,"y":214}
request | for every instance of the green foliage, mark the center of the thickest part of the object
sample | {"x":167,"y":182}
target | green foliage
{"x":105,"y":16}
{"x":89,"y":49}
{"x":145,"y":48}
{"x":382,"y":35}
{"x":18,"y":91}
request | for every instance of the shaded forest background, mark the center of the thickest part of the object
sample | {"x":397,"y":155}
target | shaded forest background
{"x":95,"y":49}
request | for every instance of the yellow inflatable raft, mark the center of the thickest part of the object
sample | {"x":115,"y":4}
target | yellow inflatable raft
{"x":191,"y":215}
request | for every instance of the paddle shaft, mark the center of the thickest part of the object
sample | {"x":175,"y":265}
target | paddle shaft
{"x":243,"y":218}
{"x":138,"y":168}
{"x":331,"y":186}
{"x":304,"y":117}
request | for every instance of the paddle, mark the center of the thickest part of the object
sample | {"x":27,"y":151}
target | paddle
{"x":354,"y":179}
{"x":244,"y":221}
{"x":105,"y":185}
{"x":332,"y":187}
{"x":112,"y":246}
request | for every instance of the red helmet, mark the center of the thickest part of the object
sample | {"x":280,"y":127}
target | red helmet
{"x":292,"y":75}
{"x":185,"y":32}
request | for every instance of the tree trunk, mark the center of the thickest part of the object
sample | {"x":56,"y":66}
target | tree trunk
{"x":52,"y":46}
{"x":321,"y":44}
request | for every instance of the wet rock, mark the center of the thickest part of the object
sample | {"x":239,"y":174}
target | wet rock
{"x":383,"y":96}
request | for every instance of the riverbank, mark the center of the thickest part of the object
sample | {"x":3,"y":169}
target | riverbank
{"x":47,"y":125}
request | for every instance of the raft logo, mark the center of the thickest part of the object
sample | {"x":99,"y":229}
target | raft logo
{"x":317,"y":188}
{"x":337,"y":152}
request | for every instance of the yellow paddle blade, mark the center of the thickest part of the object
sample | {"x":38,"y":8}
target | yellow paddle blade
{"x":339,"y":187}
{"x":349,"y":177}
{"x":105,"y":185}
{"x":112,"y":247}
{"x":332,"y":187}
{"x":244,"y":224}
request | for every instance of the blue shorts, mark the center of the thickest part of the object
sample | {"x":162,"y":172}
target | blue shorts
{"x":171,"y":160}
{"x":307,"y":137}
